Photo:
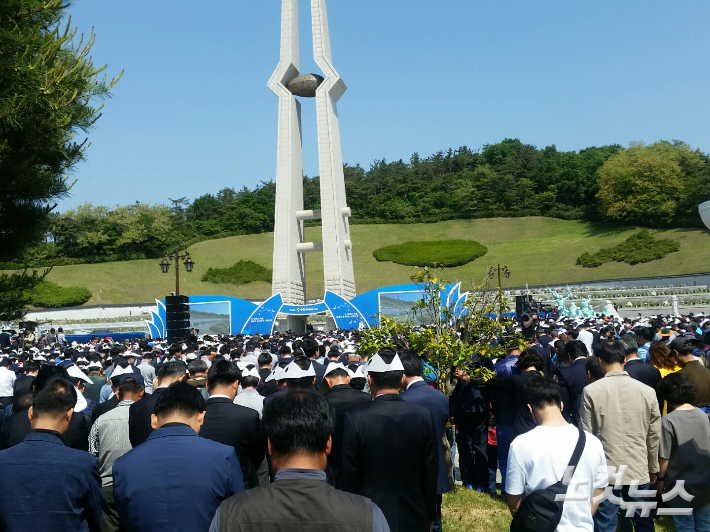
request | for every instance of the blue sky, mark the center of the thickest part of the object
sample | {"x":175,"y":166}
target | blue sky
{"x":192,"y":113}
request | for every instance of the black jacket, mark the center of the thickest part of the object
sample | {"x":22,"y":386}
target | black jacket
{"x":23,"y":385}
{"x":420,"y":393}
{"x":238,"y":427}
{"x":390,"y":455}
{"x":547,"y":367}
{"x":266,"y":388}
{"x":343,"y":397}
{"x":506,"y":391}
{"x":320,"y":371}
{"x":468,"y":398}
{"x":572,"y":380}
{"x":139,"y":427}
{"x":17,"y":427}
{"x":643,"y":372}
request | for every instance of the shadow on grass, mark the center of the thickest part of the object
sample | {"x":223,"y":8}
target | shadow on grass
{"x":612,"y":229}
{"x":605,"y":229}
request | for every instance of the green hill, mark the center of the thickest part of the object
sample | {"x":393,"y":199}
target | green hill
{"x":537,"y":251}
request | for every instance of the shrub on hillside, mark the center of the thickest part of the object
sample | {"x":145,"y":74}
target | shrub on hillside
{"x":243,"y":272}
{"x":51,"y":295}
{"x":431,"y":253}
{"x":639,"y":247}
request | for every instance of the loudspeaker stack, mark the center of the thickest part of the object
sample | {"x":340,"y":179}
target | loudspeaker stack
{"x":177,"y":313}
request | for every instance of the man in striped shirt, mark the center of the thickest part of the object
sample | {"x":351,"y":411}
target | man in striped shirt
{"x":108,"y":440}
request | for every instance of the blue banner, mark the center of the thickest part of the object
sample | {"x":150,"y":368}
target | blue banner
{"x":263,"y":318}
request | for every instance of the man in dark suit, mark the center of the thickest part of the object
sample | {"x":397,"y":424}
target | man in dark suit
{"x":230,"y":424}
{"x":24,"y":381}
{"x":470,"y":410}
{"x":175,"y":480}
{"x":310,"y":348}
{"x":573,"y":379}
{"x":544,"y":351}
{"x":341,"y":396}
{"x":18,"y":425}
{"x":418,"y":392}
{"x":637,"y":368}
{"x":140,"y":412}
{"x":266,"y":388}
{"x":389,"y":451}
{"x":44,"y":484}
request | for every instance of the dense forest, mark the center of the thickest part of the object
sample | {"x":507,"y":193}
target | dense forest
{"x":657,"y":185}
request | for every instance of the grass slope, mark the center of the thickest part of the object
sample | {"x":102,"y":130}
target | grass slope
{"x":537,"y":251}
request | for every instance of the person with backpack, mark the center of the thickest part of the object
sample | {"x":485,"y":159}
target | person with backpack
{"x":684,"y":455}
{"x":536,"y":468}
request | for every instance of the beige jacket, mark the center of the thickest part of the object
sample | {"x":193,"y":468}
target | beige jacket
{"x":623,"y":413}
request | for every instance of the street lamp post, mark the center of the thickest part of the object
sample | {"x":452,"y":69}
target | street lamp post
{"x":177,"y":257}
{"x":491,"y":273}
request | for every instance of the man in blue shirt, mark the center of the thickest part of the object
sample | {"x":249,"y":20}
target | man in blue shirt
{"x":44,"y":484}
{"x":175,"y":480}
{"x":644,"y":335}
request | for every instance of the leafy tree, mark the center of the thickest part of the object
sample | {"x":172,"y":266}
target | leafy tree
{"x":98,"y":233}
{"x":203,"y":208}
{"x":48,"y":86}
{"x":640,"y":185}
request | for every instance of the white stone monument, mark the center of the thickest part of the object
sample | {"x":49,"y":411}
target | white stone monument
{"x":289,"y":276}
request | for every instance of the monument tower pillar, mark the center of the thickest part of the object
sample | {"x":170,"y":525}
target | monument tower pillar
{"x":289,"y":268}
{"x":337,"y":246}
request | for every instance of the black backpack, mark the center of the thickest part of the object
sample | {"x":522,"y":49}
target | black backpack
{"x":539,"y":511}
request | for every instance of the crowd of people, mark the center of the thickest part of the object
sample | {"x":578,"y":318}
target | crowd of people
{"x":302,"y":432}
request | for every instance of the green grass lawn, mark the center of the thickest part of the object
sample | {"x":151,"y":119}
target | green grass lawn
{"x":469,"y":511}
{"x":537,"y":251}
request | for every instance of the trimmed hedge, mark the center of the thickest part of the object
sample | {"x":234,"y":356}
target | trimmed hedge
{"x":432,"y":253}
{"x":243,"y":272}
{"x":639,"y":247}
{"x":49,"y":295}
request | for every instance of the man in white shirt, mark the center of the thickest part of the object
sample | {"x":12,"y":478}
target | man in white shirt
{"x":147,"y":371}
{"x":586,"y":337}
{"x":7,"y":382}
{"x":248,"y":396}
{"x":538,"y":459}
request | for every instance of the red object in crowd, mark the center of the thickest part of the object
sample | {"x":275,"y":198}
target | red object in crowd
{"x":492,"y":440}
